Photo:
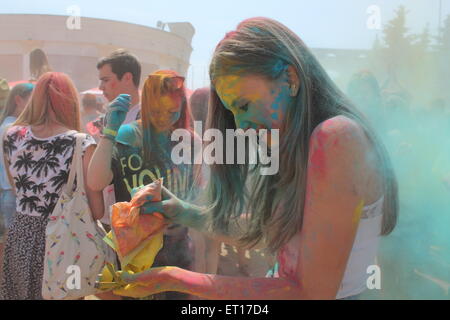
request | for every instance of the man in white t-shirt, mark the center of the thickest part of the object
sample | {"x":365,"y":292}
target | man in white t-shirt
{"x":119,"y":73}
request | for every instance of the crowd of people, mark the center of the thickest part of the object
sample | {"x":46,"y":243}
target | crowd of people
{"x":322,"y":215}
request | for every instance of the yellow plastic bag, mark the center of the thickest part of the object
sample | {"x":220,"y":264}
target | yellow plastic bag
{"x":136,"y":238}
{"x":140,"y":260}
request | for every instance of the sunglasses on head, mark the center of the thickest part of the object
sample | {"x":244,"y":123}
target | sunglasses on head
{"x":174,"y":83}
{"x":171,"y":83}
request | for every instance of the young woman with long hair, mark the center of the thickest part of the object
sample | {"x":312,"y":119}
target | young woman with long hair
{"x":135,"y":154}
{"x":38,"y":150}
{"x":333,"y":197}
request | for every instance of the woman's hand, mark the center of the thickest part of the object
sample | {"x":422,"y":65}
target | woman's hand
{"x":170,"y":206}
{"x":117,"y":112}
{"x":144,"y":284}
{"x":134,"y":285}
{"x":173,"y":208}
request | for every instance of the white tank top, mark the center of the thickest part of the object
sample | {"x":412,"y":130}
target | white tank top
{"x":362,"y":255}
{"x":364,"y":251}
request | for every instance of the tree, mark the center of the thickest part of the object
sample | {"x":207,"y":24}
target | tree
{"x":35,"y":144}
{"x":62,"y":146}
{"x":46,"y":209}
{"x":395,"y":32}
{"x":23,"y":182}
{"x":25,"y":160}
{"x":423,"y":41}
{"x":38,"y":188}
{"x":45,"y":164}
{"x":51,"y":197}
{"x":398,"y":45}
{"x":31,"y":202}
{"x":59,"y":180}
{"x":443,"y":39}
{"x":442,"y":49}
{"x":376,"y":56}
{"x":422,"y":73}
{"x":8,"y":144}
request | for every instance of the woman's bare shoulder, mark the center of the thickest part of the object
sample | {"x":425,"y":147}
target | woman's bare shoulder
{"x":340,"y":147}
{"x":341,"y":132}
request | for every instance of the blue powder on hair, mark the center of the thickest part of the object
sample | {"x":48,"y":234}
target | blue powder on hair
{"x":256,"y":30}
{"x":278,"y":67}
{"x":29,"y":86}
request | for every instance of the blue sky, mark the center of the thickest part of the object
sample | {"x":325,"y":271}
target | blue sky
{"x":320,"y":23}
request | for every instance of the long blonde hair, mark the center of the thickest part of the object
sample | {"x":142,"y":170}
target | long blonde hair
{"x":261,"y":46}
{"x":54,"y":94}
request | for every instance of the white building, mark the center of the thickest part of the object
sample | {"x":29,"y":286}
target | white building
{"x":76,"y":51}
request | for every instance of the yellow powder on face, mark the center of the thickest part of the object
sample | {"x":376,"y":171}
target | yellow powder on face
{"x":228,"y":89}
{"x":231,"y":87}
{"x":161,"y":113}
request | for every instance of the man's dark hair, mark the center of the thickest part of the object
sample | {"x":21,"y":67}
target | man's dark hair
{"x":121,"y":62}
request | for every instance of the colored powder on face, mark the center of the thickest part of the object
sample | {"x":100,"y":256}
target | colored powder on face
{"x":168,"y":102}
{"x":164,"y":114}
{"x":234,"y":91}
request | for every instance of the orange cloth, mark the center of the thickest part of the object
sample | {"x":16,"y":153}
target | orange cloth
{"x":129,"y":226}
{"x":136,"y":238}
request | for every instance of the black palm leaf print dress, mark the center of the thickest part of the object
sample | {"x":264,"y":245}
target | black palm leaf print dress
{"x":40,"y":169}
